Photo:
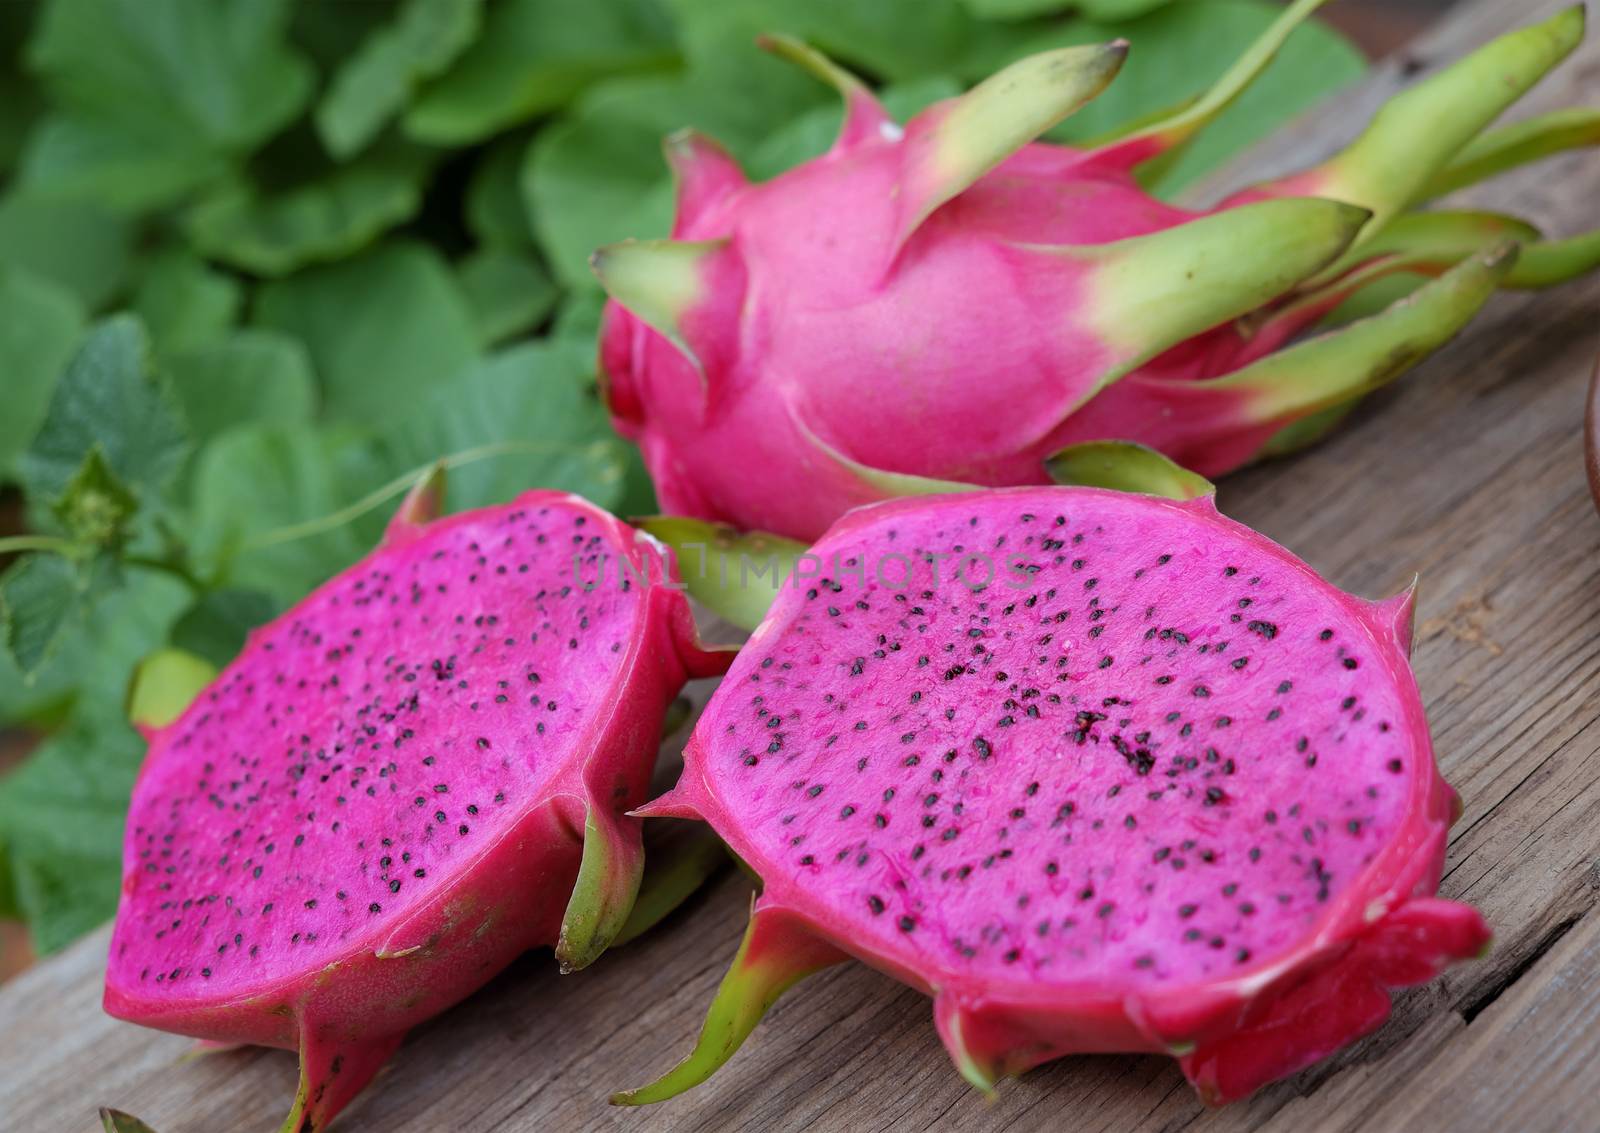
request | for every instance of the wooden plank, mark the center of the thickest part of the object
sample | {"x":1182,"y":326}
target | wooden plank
{"x":1470,"y":471}
{"x":1544,"y":1035}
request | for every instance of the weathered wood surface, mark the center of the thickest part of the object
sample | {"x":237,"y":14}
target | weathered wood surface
{"x":1470,"y":472}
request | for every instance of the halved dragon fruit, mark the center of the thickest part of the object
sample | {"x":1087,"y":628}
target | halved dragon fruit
{"x":1097,"y":771}
{"x":416,"y":774}
{"x":952,"y":300}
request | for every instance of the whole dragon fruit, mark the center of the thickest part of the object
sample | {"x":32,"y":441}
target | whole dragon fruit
{"x":1097,"y":771}
{"x":413,"y":776}
{"x":954,"y":301}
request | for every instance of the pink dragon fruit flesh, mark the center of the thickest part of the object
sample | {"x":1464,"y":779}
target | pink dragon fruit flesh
{"x":419,"y":772}
{"x":953,"y":300}
{"x":1096,"y":771}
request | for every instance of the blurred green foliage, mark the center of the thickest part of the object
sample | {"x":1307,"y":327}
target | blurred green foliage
{"x":261,"y":261}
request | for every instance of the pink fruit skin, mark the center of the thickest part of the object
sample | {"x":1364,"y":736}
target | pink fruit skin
{"x":499,"y":890}
{"x":958,"y":301}
{"x":1233,"y":1031}
{"x":959,"y":365}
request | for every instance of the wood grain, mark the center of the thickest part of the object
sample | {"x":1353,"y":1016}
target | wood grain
{"x":1470,"y":471}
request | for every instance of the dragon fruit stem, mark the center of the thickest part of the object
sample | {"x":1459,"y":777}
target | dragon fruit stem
{"x":952,"y":1023}
{"x":660,"y":281}
{"x":423,"y":504}
{"x":1149,"y":293}
{"x":1546,"y":263}
{"x":1519,"y":143}
{"x":864,"y":118}
{"x":1153,"y":149}
{"x":776,"y":953}
{"x":1127,"y":467}
{"x":1431,"y":242}
{"x":704,"y":173}
{"x":603,"y":894}
{"x":1419,"y":132}
{"x":1354,"y":360}
{"x":332,"y":1073}
{"x":952,"y":144}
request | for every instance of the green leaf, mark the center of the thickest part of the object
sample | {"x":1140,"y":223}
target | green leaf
{"x":216,"y":626}
{"x":184,"y":303}
{"x":40,"y":324}
{"x":252,"y":376}
{"x":164,"y":684}
{"x":374,"y":84}
{"x":329,"y":216}
{"x":895,"y":39}
{"x":332,"y":33}
{"x":64,"y":895}
{"x":1118,"y":9}
{"x":382,"y":329}
{"x":76,"y":246}
{"x":20,"y":100}
{"x":539,"y":401}
{"x":256,"y":479}
{"x":61,"y":817}
{"x":1021,"y":9}
{"x":88,"y":160}
{"x":495,"y":211}
{"x":534,"y":56}
{"x":97,"y":508}
{"x":577,"y":321}
{"x":92,"y":661}
{"x":109,"y":396}
{"x":509,"y":291}
{"x":42,"y":599}
{"x":176,"y":85}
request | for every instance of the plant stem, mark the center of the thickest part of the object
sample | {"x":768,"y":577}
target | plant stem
{"x":388,"y":491}
{"x":13,"y":544}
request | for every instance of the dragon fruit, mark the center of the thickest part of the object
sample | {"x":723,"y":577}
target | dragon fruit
{"x":952,"y":300}
{"x":1097,"y":771}
{"x":414,"y":775}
